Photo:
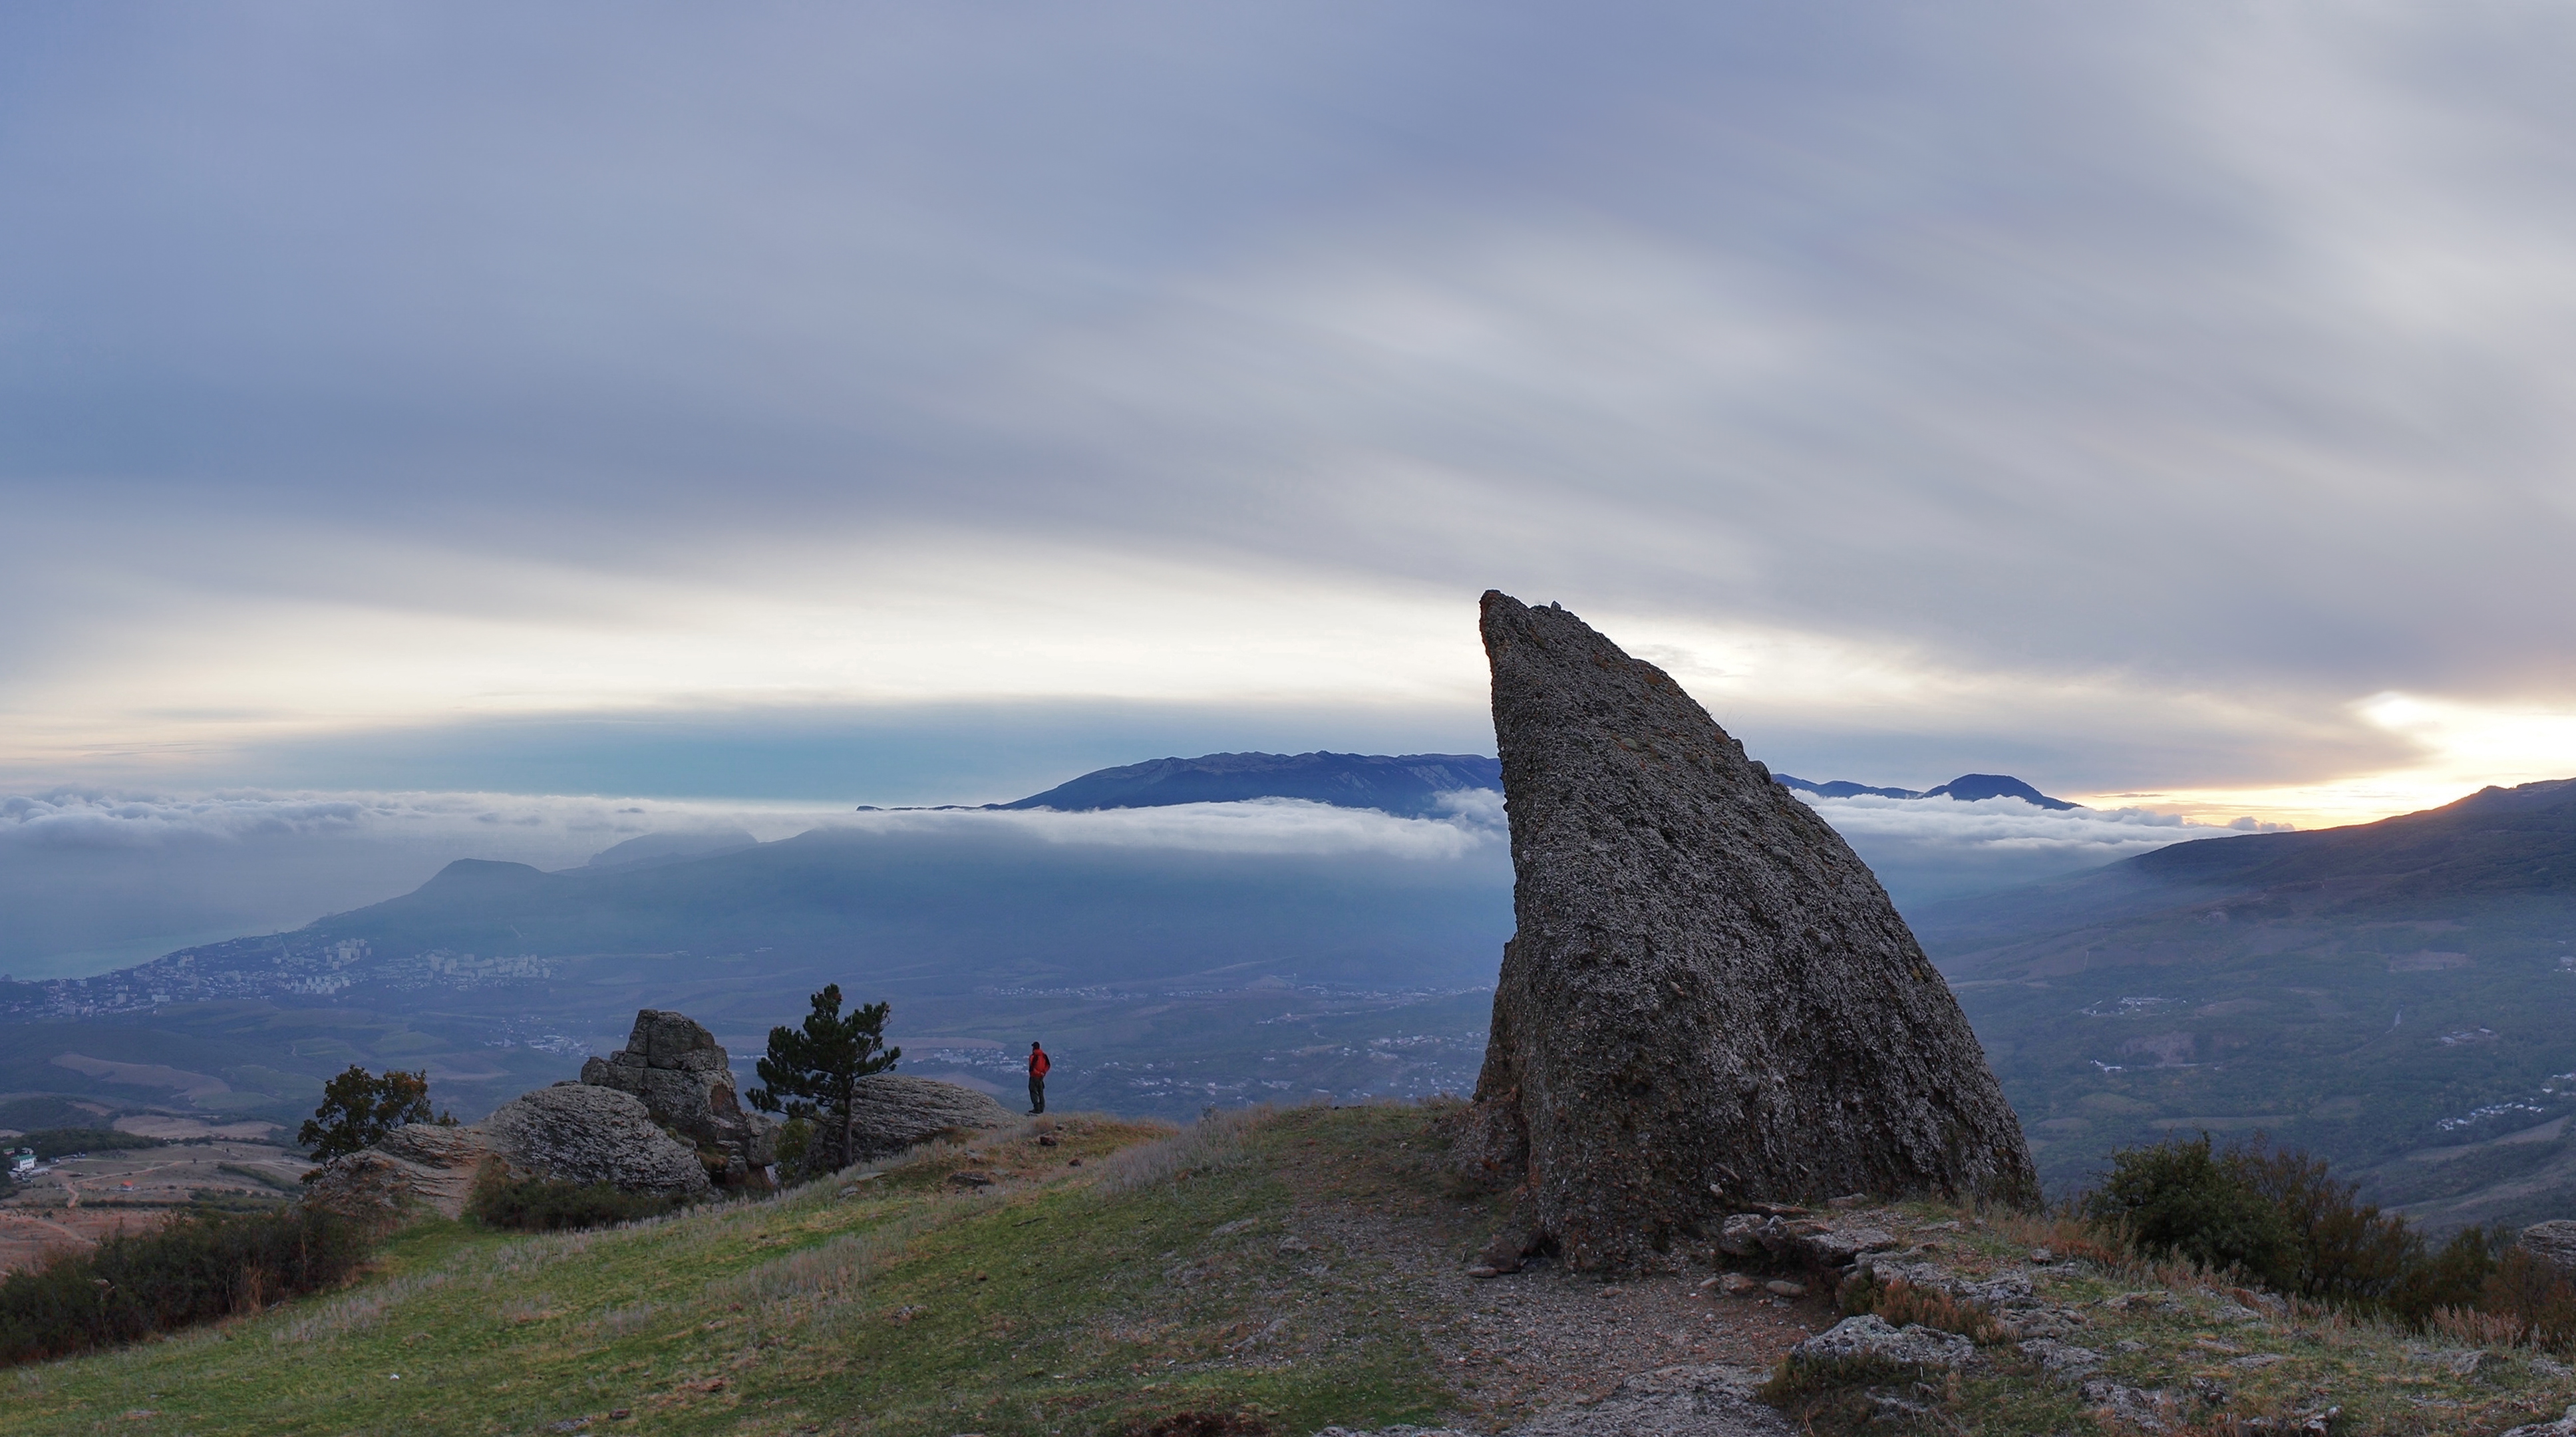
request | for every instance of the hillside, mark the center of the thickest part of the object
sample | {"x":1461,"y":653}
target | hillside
{"x":1256,"y":1276}
{"x":2399,"y":996}
{"x":1411,"y":784}
{"x":1166,"y":978}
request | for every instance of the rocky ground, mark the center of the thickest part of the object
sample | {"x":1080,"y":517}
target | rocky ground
{"x":1988,"y":1328}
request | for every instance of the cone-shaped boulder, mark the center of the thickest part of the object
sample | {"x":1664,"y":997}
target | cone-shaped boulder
{"x":1710,"y":1001}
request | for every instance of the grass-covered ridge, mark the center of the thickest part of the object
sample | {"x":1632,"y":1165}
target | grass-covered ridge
{"x":1096,"y":1283}
{"x":1289,"y":1270}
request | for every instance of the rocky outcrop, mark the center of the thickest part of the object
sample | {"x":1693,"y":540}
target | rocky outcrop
{"x":570,"y":1132}
{"x":419,"y":1167}
{"x":894,"y":1111}
{"x":673,"y":1065}
{"x":2553,"y":1243}
{"x":582,"y":1133}
{"x":1709,"y":1000}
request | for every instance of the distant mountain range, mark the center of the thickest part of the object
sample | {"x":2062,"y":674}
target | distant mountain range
{"x":1164,"y":978}
{"x":1967,"y":788}
{"x":2398,"y":996}
{"x":1410,"y":784}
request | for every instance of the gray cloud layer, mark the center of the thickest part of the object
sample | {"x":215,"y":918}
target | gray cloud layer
{"x":2211,"y":360}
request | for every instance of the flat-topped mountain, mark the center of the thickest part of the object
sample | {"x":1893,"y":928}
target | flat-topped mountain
{"x":1406,"y":784}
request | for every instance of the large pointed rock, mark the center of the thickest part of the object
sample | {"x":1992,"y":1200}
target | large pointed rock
{"x":1709,"y":1001}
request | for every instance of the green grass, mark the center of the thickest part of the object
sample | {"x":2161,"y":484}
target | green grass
{"x":1150,"y":1281}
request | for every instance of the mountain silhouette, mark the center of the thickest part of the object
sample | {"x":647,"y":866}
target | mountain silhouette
{"x":1406,"y":784}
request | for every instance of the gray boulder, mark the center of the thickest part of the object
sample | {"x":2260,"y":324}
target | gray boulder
{"x":2553,"y":1243}
{"x":1710,"y":1000}
{"x":1870,"y":1335}
{"x":685,"y":1080}
{"x":894,"y":1111}
{"x":577,"y":1132}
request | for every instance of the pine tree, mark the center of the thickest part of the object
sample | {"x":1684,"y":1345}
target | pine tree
{"x":815,"y":1071}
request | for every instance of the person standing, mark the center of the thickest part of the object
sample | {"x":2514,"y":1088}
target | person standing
{"x":1038,"y":1066}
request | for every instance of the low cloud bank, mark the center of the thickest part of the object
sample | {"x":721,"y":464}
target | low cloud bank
{"x":1929,"y":848}
{"x":1473,"y":822}
{"x":93,"y":880}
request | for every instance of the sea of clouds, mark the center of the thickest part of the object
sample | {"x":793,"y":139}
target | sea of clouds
{"x":94,"y":879}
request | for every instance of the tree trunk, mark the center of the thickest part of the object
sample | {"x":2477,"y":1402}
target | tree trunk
{"x":849,"y":1122}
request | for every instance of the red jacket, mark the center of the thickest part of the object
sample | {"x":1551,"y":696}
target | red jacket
{"x":1038,"y":1063}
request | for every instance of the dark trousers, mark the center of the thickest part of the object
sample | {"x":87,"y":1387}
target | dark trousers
{"x":1037,"y":1094}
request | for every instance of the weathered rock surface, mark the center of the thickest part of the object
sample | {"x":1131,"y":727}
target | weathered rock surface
{"x":420,"y":1166}
{"x":582,"y":1133}
{"x":2553,"y":1243}
{"x":673,"y":1064}
{"x":894,"y":1111}
{"x":1871,"y":1336}
{"x":1709,"y":1000}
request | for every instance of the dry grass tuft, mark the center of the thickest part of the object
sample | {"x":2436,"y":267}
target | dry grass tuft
{"x":1901,"y":1302}
{"x":829,"y":1272}
{"x":1217,"y":1142}
{"x":356,"y":1312}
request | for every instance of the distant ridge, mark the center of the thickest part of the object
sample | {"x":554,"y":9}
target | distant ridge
{"x":1408,"y":785}
{"x":1967,"y":788}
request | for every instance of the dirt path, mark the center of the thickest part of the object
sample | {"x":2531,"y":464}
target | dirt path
{"x":1543,"y":1337}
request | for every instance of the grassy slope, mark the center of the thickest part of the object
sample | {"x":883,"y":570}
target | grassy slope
{"x":1152,"y":1280}
{"x":1055,"y":1301}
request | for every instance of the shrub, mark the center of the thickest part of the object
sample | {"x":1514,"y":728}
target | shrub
{"x":2538,"y":1298}
{"x":194,"y":1270}
{"x":2342,"y":1251}
{"x":794,"y":1137}
{"x":2176,"y":1199}
{"x":2452,"y":1276}
{"x":551,"y":1205}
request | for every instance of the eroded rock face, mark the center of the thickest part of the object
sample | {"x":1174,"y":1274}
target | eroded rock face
{"x":1709,"y":1000}
{"x":417,"y":1167}
{"x":673,"y":1064}
{"x":2553,"y":1243}
{"x":894,"y":1111}
{"x":582,"y":1133}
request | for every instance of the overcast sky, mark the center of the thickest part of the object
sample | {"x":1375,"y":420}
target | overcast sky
{"x":2168,"y":404}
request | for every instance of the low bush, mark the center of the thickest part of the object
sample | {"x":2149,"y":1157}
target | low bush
{"x":2538,"y":1298}
{"x":2280,"y":1217}
{"x":194,"y":1270}
{"x":2177,"y":1199}
{"x":549,"y":1205}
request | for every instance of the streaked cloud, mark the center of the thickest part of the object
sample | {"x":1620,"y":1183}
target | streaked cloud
{"x":2121,"y":400}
